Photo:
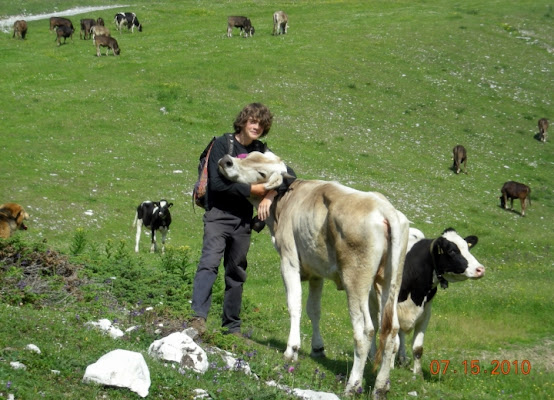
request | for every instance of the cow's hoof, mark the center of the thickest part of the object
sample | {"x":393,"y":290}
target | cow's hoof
{"x":318,"y":353}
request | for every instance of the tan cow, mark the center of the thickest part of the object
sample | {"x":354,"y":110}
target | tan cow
{"x":99,"y":30}
{"x":324,"y":230}
{"x":280,"y":23}
{"x":20,"y":29}
{"x":12,"y":217}
{"x":459,"y":154}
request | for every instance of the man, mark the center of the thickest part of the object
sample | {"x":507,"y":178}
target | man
{"x":228,"y":221}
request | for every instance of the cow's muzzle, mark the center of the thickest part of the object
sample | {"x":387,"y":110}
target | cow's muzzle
{"x":226,"y":161}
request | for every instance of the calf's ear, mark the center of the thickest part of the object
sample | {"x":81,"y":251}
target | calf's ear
{"x":274,"y":181}
{"x":169,"y":205}
{"x":471,"y":241}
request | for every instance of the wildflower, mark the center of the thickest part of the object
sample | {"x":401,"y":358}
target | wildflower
{"x":9,"y":384}
{"x":291,"y":370}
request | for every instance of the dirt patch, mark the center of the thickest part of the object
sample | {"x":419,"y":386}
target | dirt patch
{"x":540,"y":356}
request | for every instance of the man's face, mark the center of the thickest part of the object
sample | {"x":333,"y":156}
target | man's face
{"x":253,"y":129}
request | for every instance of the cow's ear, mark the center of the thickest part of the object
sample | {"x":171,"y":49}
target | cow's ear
{"x":471,"y":241}
{"x":274,"y":181}
{"x":169,"y":205}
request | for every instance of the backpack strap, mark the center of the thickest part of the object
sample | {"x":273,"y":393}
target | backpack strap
{"x":230,"y":143}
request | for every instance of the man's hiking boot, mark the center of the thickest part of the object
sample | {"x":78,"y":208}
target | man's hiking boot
{"x":198,"y":324}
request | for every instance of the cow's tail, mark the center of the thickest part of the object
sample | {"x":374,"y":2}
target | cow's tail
{"x":398,"y":233}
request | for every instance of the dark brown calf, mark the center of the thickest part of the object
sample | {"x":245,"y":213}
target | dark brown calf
{"x":100,"y":21}
{"x":64,"y":32}
{"x":515,"y":190}
{"x":86,"y":25}
{"x":60,"y":21}
{"x":460,"y":156}
{"x":106,"y":41}
{"x":20,"y":29}
{"x":543,"y":128}
{"x":244,"y":24}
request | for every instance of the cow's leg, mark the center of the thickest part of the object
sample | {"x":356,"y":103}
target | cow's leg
{"x":400,"y":348}
{"x":511,"y":203}
{"x":139,"y":228}
{"x":522,"y":200}
{"x":153,"y":244}
{"x":313,"y":309}
{"x":362,"y":326}
{"x":417,"y":342}
{"x":229,"y":31}
{"x":163,"y":231}
{"x":293,"y":287}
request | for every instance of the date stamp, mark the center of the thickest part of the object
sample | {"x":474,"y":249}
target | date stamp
{"x":474,"y":367}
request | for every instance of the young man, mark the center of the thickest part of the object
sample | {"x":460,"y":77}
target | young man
{"x":228,"y":219}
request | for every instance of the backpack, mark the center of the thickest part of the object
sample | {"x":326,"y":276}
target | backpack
{"x":200,"y":191}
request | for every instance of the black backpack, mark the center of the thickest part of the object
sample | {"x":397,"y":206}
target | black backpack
{"x":200,"y":191}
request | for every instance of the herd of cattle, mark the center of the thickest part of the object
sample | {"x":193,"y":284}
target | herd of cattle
{"x":90,"y":28}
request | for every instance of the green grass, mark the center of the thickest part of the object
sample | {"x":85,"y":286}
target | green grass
{"x":372,"y":94}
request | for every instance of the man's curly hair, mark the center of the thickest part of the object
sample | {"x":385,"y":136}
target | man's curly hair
{"x":256,"y":111}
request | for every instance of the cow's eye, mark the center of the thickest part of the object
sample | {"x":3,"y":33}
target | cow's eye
{"x":262,"y":174}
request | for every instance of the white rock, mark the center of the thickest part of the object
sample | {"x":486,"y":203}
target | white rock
{"x":121,"y":368}
{"x":33,"y":347}
{"x":180,"y":348}
{"x":106,"y":326}
{"x":312,"y":395}
{"x":200,"y":394}
{"x":17,"y":365}
{"x":413,"y":393}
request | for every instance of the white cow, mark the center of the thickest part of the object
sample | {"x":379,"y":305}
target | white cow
{"x":280,"y":23}
{"x":327,"y":230}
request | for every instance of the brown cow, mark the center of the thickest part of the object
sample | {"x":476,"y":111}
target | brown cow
{"x":12,"y":216}
{"x":106,"y":41}
{"x":65,"y":32}
{"x":60,"y":21}
{"x":280,"y":23}
{"x":515,"y":190}
{"x":543,"y":128}
{"x":460,"y":156}
{"x":86,"y":25}
{"x":100,"y":21}
{"x":20,"y":29}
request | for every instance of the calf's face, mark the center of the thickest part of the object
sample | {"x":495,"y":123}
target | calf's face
{"x":255,"y":168}
{"x":458,"y":263}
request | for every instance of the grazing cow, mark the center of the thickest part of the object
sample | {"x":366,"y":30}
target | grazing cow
{"x":12,"y":217}
{"x":99,"y":30}
{"x":280,"y":23}
{"x":127,"y":19}
{"x":155,"y":216}
{"x":108,"y":42}
{"x":460,"y":156}
{"x":429,"y":262}
{"x":324,"y":230}
{"x":20,"y":29}
{"x":86,"y":25}
{"x":244,"y":24}
{"x":65,"y":32}
{"x":60,"y":21}
{"x":515,"y":190}
{"x":100,"y":21}
{"x":543,"y":128}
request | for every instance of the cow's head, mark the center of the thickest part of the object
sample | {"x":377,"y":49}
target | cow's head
{"x":255,"y":168}
{"x":454,"y":261}
{"x":162,"y":209}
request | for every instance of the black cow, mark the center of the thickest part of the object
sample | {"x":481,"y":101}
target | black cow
{"x":20,"y":29}
{"x":543,"y":129}
{"x":244,"y":24}
{"x":155,"y":216}
{"x":65,"y":32}
{"x":86,"y":25}
{"x":429,"y":262}
{"x":515,"y":190}
{"x":128,"y":19}
{"x":460,"y":156}
{"x":60,"y":21}
{"x":106,"y":41}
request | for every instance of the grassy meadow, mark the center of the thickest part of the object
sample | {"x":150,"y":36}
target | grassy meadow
{"x":372,"y":94}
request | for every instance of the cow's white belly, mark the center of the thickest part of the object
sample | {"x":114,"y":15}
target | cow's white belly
{"x":409,"y":314}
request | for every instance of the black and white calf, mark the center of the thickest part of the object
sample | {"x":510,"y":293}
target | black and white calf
{"x":429,"y":262}
{"x":155,"y":216}
{"x":128,"y":19}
